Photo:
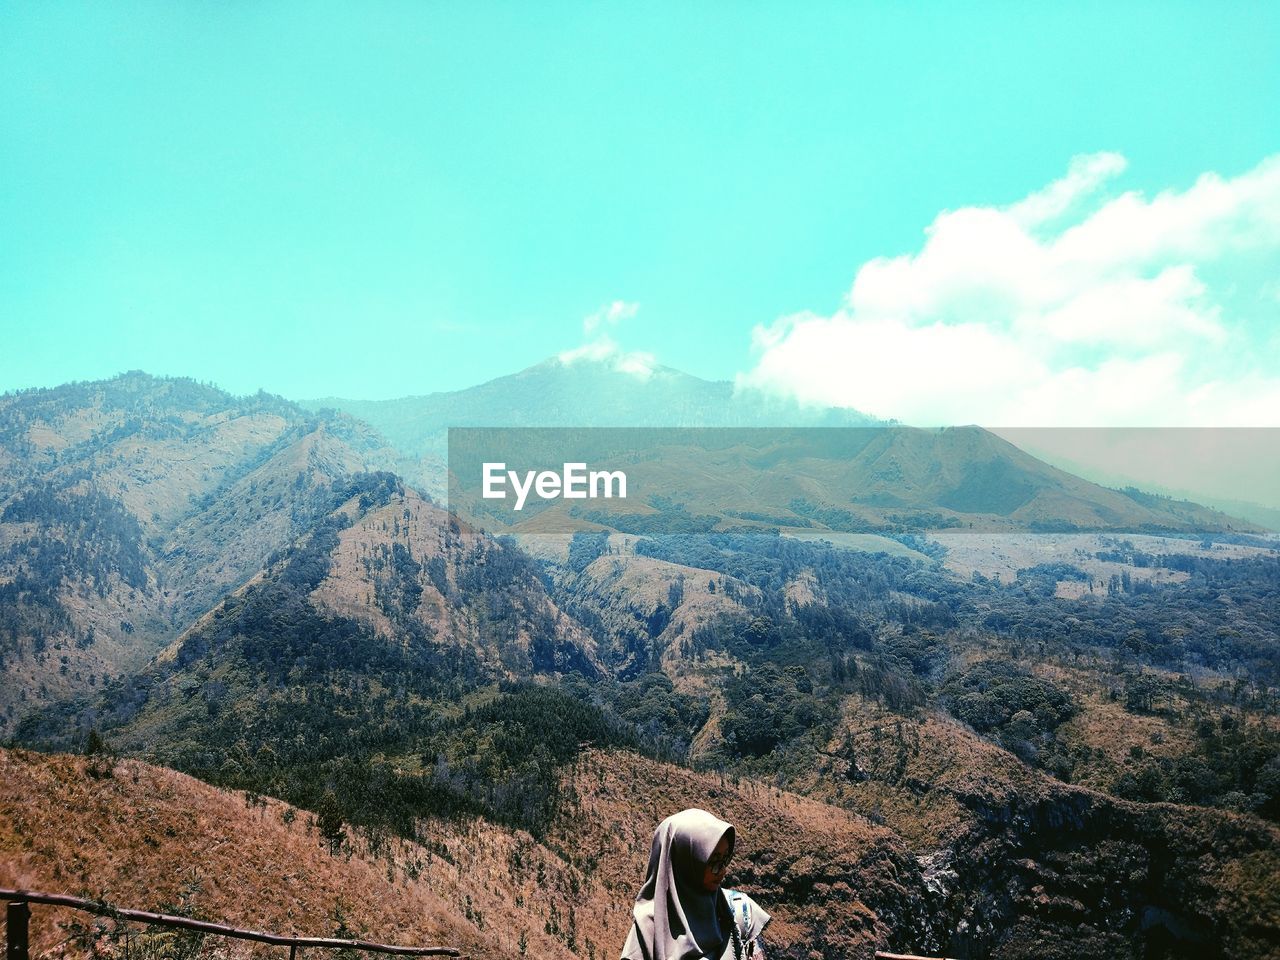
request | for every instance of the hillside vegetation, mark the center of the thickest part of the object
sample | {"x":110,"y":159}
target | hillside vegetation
{"x":131,"y":506}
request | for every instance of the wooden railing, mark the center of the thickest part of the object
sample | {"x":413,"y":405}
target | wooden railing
{"x":18,"y":915}
{"x":881,"y":955}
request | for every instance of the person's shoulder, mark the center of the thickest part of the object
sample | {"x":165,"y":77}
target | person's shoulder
{"x":748,"y":916}
{"x":741,"y":905}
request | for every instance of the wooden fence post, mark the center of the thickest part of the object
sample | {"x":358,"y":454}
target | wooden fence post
{"x":15,"y":929}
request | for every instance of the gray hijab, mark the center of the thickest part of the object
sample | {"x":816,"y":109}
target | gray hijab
{"x":675,"y":918}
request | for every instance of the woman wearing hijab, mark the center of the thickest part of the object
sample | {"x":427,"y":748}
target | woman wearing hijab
{"x":681,"y":912}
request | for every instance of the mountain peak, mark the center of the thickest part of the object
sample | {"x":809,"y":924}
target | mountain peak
{"x":585,"y":389}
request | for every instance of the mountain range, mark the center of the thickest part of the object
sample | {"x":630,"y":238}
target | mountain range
{"x":847,"y":471}
{"x":129,"y":508}
{"x":263,"y":596}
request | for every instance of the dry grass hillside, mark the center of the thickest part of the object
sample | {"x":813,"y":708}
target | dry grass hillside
{"x":147,"y":837}
{"x":973,"y":844}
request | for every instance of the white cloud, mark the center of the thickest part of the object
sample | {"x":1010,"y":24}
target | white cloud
{"x":598,"y":350}
{"x":1085,"y":174}
{"x":1132,"y":312}
{"x":1067,"y":307}
{"x":610,"y":315}
{"x":602,"y":348}
{"x":638,"y":363}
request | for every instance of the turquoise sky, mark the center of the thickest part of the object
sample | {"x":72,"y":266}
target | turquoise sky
{"x":373,"y":200}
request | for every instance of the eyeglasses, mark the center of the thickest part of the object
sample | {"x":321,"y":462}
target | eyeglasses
{"x":718,"y":864}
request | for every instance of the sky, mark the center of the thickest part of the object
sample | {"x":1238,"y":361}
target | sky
{"x":1013,"y":213}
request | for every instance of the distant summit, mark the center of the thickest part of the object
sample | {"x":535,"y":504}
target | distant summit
{"x":583,"y":393}
{"x":893,"y":479}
